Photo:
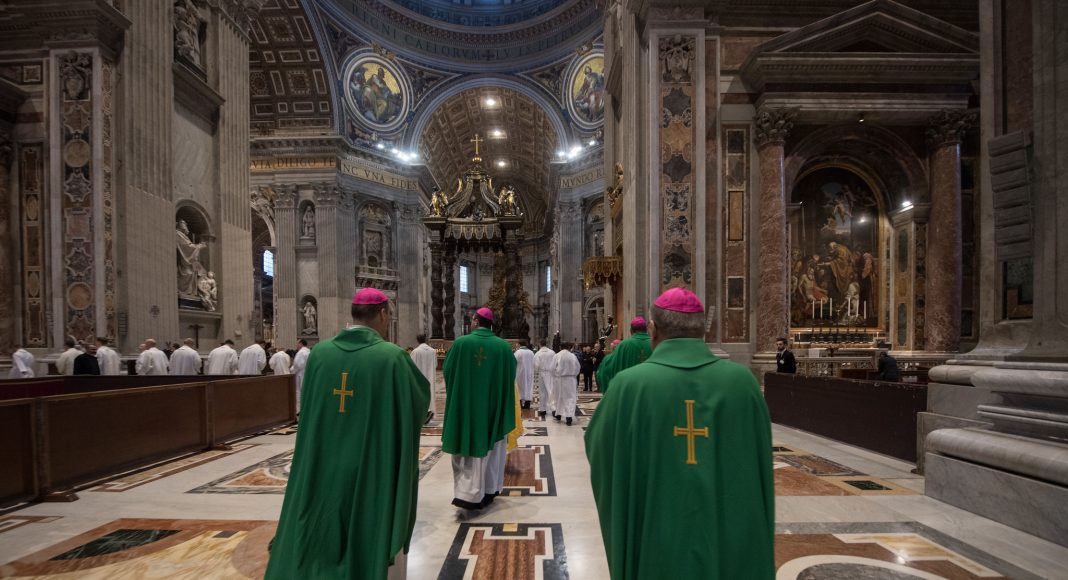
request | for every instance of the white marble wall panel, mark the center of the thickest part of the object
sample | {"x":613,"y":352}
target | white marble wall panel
{"x":194,"y":165}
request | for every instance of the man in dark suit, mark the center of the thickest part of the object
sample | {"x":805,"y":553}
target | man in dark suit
{"x":86,"y":363}
{"x":784,"y":359}
{"x":888,"y":370}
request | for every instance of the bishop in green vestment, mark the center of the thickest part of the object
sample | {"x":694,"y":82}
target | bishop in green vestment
{"x":680,"y":460}
{"x":626,"y":354}
{"x":350,"y":502}
{"x":479,"y":374}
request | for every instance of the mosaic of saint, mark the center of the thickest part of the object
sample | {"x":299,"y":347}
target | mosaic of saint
{"x":375,"y":93}
{"x":834,"y":274}
{"x":586,"y":91}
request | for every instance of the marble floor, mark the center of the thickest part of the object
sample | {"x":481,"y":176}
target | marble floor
{"x":842,"y":512}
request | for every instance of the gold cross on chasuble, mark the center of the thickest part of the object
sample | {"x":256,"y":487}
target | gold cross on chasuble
{"x":689,"y":433}
{"x":343,"y":393}
{"x":480,"y":356}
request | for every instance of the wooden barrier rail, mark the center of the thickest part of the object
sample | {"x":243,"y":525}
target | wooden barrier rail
{"x":53,"y":445}
{"x":875,"y":415}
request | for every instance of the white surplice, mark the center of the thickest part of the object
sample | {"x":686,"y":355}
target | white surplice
{"x":252,"y":360}
{"x":152,"y":362}
{"x":565,"y":382}
{"x":185,"y":361}
{"x":65,"y":362}
{"x":524,"y":373}
{"x":543,"y":367}
{"x":279,"y":363}
{"x":300,"y":361}
{"x":22,"y":362}
{"x":222,"y":361}
{"x":473,"y":478}
{"x":426,"y":359}
{"x":109,"y":361}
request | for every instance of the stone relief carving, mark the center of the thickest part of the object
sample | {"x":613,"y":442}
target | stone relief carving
{"x":285,"y":196}
{"x":74,"y":68}
{"x":773,"y":125}
{"x":676,"y":57}
{"x":311,"y":318}
{"x":208,"y":291}
{"x":615,"y":192}
{"x":307,"y":225}
{"x":263,"y":199}
{"x":947,"y":127}
{"x":187,"y":23}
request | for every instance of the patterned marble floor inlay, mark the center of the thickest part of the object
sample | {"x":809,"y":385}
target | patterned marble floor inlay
{"x":880,"y":551}
{"x":508,"y":551}
{"x":149,"y":475}
{"x":529,"y":471}
{"x":135,"y":548}
{"x":535,"y":431}
{"x":271,"y":475}
{"x":800,"y":473}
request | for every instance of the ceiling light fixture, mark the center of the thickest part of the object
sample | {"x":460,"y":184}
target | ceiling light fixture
{"x":497,"y":133}
{"x":502,"y":163}
{"x":593,"y":142}
{"x":490,"y":102}
{"x":906,"y":204}
{"x":380,"y":145}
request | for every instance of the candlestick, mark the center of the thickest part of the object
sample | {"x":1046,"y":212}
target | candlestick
{"x":813,"y":309}
{"x":865,"y":310}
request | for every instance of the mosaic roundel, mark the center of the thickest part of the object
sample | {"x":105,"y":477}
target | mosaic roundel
{"x":376,"y":92}
{"x":585,"y":90}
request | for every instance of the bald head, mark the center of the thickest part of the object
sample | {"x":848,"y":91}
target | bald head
{"x":150,"y":343}
{"x":189,"y":342}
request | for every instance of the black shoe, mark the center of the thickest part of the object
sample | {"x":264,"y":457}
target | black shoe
{"x":488,"y":499}
{"x":555,"y":416}
{"x":467,"y":505}
{"x":541,"y":414}
{"x":569,"y":421}
{"x":526,"y":404}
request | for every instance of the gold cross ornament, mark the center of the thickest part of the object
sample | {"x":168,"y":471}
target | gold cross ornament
{"x":476,"y":141}
{"x":343,"y":393}
{"x":480,"y":357}
{"x":689,"y":433}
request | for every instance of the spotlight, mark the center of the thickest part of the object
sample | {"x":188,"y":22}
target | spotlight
{"x":502,"y":163}
{"x":860,"y":118}
{"x":497,"y":133}
{"x":906,"y":204}
{"x":380,"y":146}
{"x":593,"y":142}
{"x":490,"y":102}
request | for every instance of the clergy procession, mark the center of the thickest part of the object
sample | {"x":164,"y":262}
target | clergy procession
{"x":351,"y":513}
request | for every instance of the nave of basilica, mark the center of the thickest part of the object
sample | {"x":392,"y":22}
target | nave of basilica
{"x":855,"y":179}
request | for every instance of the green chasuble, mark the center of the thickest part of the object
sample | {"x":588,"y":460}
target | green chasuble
{"x":480,"y":402}
{"x":680,"y":461}
{"x":351,"y":498}
{"x":626,"y":354}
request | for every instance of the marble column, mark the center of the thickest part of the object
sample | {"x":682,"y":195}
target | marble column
{"x":449,"y":284}
{"x":513,"y":312}
{"x":327,"y":256}
{"x":944,"y":274}
{"x":410,"y":238}
{"x":773,"y":293}
{"x":285,"y":265}
{"x":7,"y":246}
{"x":437,"y":329}
{"x":569,"y":257}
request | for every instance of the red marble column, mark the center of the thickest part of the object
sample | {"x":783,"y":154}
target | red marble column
{"x":773,"y":293}
{"x":944,"y":274}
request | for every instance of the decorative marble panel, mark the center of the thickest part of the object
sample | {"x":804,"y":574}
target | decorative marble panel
{"x":34,"y":287}
{"x":77,"y":198}
{"x":677,"y":83}
{"x":736,"y":171}
{"x":919,"y":287}
{"x":107,"y":109}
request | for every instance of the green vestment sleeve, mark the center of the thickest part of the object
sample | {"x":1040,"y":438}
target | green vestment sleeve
{"x":350,"y":503}
{"x":680,"y":463}
{"x":479,"y":374}
{"x":630,"y":352}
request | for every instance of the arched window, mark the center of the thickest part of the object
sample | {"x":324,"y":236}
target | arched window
{"x":268,"y":263}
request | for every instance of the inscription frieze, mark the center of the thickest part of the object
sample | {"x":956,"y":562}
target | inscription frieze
{"x":367,"y":173}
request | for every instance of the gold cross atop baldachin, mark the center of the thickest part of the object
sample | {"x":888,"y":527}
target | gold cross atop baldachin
{"x":476,"y":141}
{"x":689,"y":432}
{"x":480,"y":356}
{"x":343,"y":393}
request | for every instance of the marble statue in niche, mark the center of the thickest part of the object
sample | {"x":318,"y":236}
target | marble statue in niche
{"x":187,"y":24}
{"x":190,"y":270}
{"x":372,"y":248}
{"x":307,"y":225}
{"x":311,"y":323}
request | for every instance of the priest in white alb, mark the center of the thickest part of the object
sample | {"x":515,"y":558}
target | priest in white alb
{"x":152,"y":360}
{"x":65,"y":362}
{"x":252,"y":359}
{"x":543,"y":370}
{"x":565,"y":383}
{"x":110,"y":364}
{"x":426,"y":359}
{"x":524,"y":374}
{"x":300,"y":361}
{"x":186,"y":360}
{"x":222,"y":360}
{"x":279,"y":362}
{"x":21,"y":364}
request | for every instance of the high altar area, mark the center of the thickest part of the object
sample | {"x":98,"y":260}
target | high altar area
{"x":853,"y":176}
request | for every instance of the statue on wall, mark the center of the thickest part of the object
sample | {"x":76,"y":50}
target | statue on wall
{"x":209,"y":291}
{"x":310,"y":318}
{"x":190,"y":271}
{"x":187,"y":23}
{"x":307,"y":228}
{"x":506,"y":200}
{"x":438,"y":201}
